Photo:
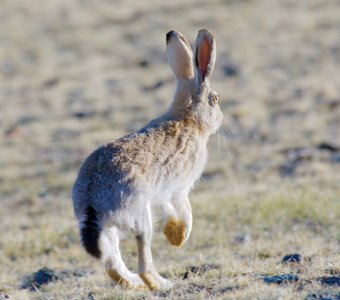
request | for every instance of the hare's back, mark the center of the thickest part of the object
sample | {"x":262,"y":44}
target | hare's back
{"x":99,"y":179}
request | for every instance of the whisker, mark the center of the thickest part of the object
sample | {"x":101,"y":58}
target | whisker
{"x":219,"y":145}
{"x":225,"y":139}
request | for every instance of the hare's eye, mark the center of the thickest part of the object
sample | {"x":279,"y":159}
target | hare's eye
{"x":213,"y":99}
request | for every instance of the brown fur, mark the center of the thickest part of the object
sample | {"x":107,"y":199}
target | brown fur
{"x":143,"y":154}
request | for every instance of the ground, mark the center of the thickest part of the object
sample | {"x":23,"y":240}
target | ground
{"x":76,"y":74}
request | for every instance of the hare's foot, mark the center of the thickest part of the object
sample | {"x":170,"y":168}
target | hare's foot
{"x":130,"y":282}
{"x":155,"y":281}
{"x":175,"y":231}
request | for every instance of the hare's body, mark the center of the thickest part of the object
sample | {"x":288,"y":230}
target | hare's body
{"x":121,"y":183}
{"x":149,"y":167}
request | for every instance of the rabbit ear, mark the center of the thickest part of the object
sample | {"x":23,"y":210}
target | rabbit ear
{"x":179,"y":55}
{"x":204,"y":55}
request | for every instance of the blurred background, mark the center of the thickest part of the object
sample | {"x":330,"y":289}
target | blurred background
{"x":76,"y":74}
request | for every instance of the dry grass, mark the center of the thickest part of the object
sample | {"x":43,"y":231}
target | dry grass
{"x":75,"y":74}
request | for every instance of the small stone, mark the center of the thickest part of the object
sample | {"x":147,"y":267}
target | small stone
{"x":43,"y":276}
{"x":144,"y":63}
{"x":332,"y":280}
{"x":281,"y":279}
{"x":51,"y":82}
{"x":231,"y":70}
{"x":83,"y":114}
{"x":292,"y":258}
{"x":328,"y":146}
{"x":323,"y":295}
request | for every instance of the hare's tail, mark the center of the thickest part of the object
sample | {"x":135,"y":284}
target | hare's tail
{"x":90,"y":230}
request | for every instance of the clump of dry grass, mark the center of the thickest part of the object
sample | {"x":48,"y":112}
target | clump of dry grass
{"x":245,"y":236}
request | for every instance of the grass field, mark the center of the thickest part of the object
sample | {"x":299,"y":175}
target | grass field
{"x":76,"y":74}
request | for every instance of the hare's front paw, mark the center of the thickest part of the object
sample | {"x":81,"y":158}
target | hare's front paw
{"x":175,"y":231}
{"x":155,"y":281}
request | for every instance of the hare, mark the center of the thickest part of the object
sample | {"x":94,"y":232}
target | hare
{"x":122,"y":184}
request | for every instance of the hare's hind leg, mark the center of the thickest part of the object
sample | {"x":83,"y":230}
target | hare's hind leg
{"x":115,"y":266}
{"x":178,"y":219}
{"x":146,"y":268}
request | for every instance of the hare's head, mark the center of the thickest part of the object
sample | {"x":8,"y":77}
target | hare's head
{"x":193,"y":72}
